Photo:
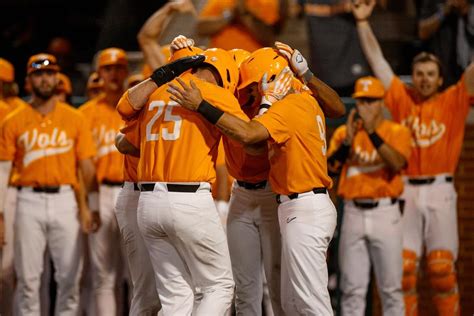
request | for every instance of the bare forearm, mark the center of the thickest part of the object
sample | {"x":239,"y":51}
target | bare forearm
{"x":5,"y":169}
{"x":125,"y":147}
{"x":374,"y":54}
{"x":427,"y":27}
{"x":139,"y":94}
{"x":87,"y":169}
{"x":247,"y":133}
{"x":328,"y":99}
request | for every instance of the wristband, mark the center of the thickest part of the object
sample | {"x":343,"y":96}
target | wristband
{"x":341,"y":154}
{"x":263,"y":108}
{"x":210,"y":113}
{"x":376,"y":140}
{"x":93,"y":200}
{"x":307,"y":76}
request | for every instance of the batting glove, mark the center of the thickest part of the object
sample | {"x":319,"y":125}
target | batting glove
{"x":180,"y":42}
{"x":298,"y":63}
{"x":275,"y":90}
{"x":172,"y":70}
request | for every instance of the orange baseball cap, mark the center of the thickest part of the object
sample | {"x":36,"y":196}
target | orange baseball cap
{"x":112,"y":56}
{"x":368,"y":87}
{"x":64,"y":84}
{"x":7,"y":71}
{"x":42,"y":62}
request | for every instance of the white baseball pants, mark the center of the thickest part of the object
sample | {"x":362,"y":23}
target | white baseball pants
{"x":188,"y":249}
{"x":307,"y":225}
{"x":7,"y":270}
{"x":254,"y":238}
{"x":430,"y":217}
{"x":48,"y":220}
{"x":145,"y":299}
{"x":106,"y":254}
{"x":371,"y":236}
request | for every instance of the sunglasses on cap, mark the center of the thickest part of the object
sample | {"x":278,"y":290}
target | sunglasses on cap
{"x":38,"y":64}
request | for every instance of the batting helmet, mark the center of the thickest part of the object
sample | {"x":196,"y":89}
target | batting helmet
{"x":186,"y":52}
{"x":239,"y":55}
{"x":263,"y":60}
{"x":225,"y":65}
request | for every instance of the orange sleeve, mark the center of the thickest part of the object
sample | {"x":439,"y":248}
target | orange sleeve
{"x":336,"y":140}
{"x":132,"y":132}
{"x":124,"y":108}
{"x":85,"y":145}
{"x":402,"y":143}
{"x":395,"y":95}
{"x":275,"y":120}
{"x":458,"y":95}
{"x":267,"y":11}
{"x":215,"y":8}
{"x":7,"y":140}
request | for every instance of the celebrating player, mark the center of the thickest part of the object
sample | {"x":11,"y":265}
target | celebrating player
{"x":371,"y":151}
{"x":436,"y":120}
{"x":295,"y":129}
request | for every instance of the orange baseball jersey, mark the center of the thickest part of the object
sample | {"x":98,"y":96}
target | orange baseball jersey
{"x":4,"y":110}
{"x":130,"y":163}
{"x":105,"y":123}
{"x":297,"y":151}
{"x":243,"y":166}
{"x":437,"y":126}
{"x":236,"y":35}
{"x":178,"y":145}
{"x":45,"y":149}
{"x":364,"y":175}
{"x":14,"y":102}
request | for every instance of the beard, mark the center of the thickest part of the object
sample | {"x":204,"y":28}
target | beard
{"x":43,"y":94}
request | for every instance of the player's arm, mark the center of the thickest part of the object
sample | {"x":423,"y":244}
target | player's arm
{"x":125,"y":147}
{"x":328,"y":99}
{"x":5,"y":169}
{"x":369,"y":43}
{"x":428,"y":26}
{"x":340,"y":144}
{"x":136,"y":97}
{"x":208,"y":26}
{"x":154,"y":27}
{"x":90,"y":186}
{"x":190,"y":97}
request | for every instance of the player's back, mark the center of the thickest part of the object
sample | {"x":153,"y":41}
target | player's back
{"x":178,"y":145}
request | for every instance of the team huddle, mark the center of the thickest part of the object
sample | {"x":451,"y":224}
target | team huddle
{"x":138,"y":166}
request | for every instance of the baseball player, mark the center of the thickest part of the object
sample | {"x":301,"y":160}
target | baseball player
{"x":436,"y":120}
{"x":145,"y":299}
{"x":371,"y":151}
{"x":48,"y":145}
{"x":295,"y":129}
{"x":106,"y":255}
{"x":8,"y":86}
{"x":186,"y":240}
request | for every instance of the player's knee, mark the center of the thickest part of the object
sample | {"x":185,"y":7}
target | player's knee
{"x":441,"y":271}
{"x":409,"y":271}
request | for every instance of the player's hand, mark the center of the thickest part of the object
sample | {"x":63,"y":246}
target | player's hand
{"x":95,"y":221}
{"x":277,"y":89}
{"x":2,"y":230}
{"x":368,"y":116}
{"x":180,"y":42}
{"x":85,"y":219}
{"x":298,"y":63}
{"x":362,"y":9}
{"x":188,"y":97}
{"x":168,"y":72}
{"x":352,"y":126}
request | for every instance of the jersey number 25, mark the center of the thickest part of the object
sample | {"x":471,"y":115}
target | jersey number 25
{"x":169,"y":117}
